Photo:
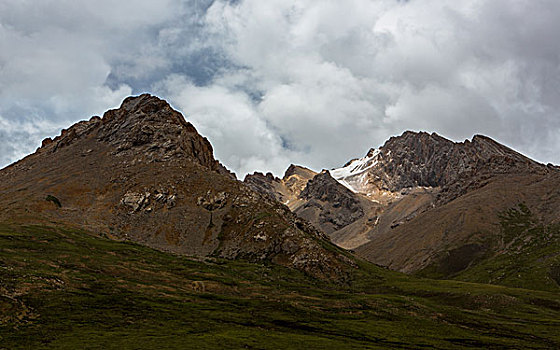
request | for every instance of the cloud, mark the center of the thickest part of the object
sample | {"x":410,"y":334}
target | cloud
{"x":53,"y":69}
{"x":246,"y":142}
{"x":275,"y":82}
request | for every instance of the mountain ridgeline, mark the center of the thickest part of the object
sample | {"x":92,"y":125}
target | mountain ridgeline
{"x":142,"y":173}
{"x":424,"y":204}
{"x":419,"y":204}
{"x":125,"y":232}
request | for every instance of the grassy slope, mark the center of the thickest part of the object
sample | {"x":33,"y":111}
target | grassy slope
{"x":523,"y":254}
{"x":66,"y":289}
{"x":530,"y":259}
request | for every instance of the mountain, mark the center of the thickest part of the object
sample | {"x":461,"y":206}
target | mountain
{"x":321,"y":200}
{"x":429,"y":160}
{"x":422,"y":203}
{"x":285,"y":190}
{"x":126,"y":232}
{"x":464,"y":187}
{"x":144,"y":174}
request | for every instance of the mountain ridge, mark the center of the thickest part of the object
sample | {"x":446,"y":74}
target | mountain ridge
{"x":142,"y":173}
{"x":125,"y":231}
{"x":422,"y":196}
{"x":430,"y":160}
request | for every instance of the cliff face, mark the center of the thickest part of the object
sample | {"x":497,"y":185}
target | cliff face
{"x":285,"y":190}
{"x":319,"y":199}
{"x":337,"y":206}
{"x":429,"y":160}
{"x":143,"y":173}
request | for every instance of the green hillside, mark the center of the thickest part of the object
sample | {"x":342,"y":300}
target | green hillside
{"x":66,"y":289}
{"x":529,"y":256}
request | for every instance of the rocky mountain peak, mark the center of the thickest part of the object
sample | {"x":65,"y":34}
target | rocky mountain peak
{"x":143,"y":173}
{"x":430,"y":160}
{"x":324,"y":191}
{"x":489,"y":147}
{"x":145,"y":128}
{"x":420,"y":147}
{"x":285,"y":190}
{"x":146,"y":109}
{"x":322,"y":186}
{"x":264,"y":183}
{"x":416,"y":147}
{"x":298,"y":170}
{"x":143,"y":102}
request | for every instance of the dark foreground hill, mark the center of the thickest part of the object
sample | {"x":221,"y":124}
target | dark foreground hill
{"x":68,"y":289}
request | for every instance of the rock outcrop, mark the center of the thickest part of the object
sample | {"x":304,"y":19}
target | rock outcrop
{"x":321,"y":200}
{"x":338,"y":206}
{"x":285,"y":190}
{"x":429,"y":160}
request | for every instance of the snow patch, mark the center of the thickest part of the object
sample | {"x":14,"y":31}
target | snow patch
{"x":354,"y":175}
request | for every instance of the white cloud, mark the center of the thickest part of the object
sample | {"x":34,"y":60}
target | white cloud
{"x":246,"y":143}
{"x":15,"y":134}
{"x":338,"y":77}
{"x":55,"y":58}
{"x":310,"y":82}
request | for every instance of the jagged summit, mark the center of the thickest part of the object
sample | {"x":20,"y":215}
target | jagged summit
{"x":423,"y":159}
{"x":145,"y":127}
{"x":299,"y":171}
{"x":339,"y":207}
{"x":409,"y":175}
{"x":285,"y":190}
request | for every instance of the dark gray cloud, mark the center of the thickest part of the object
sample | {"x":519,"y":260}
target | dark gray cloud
{"x":274,"y":82}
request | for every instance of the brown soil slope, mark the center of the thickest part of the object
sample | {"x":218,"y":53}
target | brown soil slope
{"x":466,"y":228}
{"x":143,"y":173}
{"x":471,"y":184}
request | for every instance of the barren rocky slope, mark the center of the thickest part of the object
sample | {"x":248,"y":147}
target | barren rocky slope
{"x":457,"y":191}
{"x":343,"y":215}
{"x":142,"y":173}
{"x":424,"y":201}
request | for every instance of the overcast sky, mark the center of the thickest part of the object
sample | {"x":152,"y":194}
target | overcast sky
{"x":311,"y":82}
